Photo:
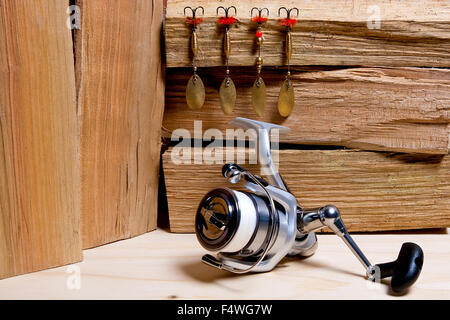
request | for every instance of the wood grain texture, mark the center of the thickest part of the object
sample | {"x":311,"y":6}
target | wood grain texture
{"x":387,"y":109}
{"x":374,"y":191}
{"x":39,"y":167}
{"x":161,"y":265}
{"x":410,"y":33}
{"x":121,"y":100}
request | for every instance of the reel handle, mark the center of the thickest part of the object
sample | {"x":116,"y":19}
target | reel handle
{"x":405,"y":270}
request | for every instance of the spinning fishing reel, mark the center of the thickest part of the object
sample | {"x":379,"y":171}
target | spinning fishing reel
{"x":253,"y":230}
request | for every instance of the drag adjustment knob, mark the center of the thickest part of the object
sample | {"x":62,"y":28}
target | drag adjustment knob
{"x":406,"y":269}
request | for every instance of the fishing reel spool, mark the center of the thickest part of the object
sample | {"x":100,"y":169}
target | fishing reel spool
{"x":253,"y":230}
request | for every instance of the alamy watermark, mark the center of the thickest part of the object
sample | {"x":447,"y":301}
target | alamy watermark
{"x":232,"y":146}
{"x":73,"y":281}
{"x":374,"y":19}
{"x":74,"y":19}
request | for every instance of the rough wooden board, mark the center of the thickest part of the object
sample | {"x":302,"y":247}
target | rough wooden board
{"x":374,"y":191}
{"x":121,"y":100}
{"x":387,"y":109}
{"x":39,"y":168}
{"x":411,"y":33}
{"x":345,"y":10}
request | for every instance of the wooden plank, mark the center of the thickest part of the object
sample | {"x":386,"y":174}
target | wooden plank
{"x":409,"y":33}
{"x":387,"y":109}
{"x":39,"y":170}
{"x":161,"y":265}
{"x":374,"y":191}
{"x":121,"y":99}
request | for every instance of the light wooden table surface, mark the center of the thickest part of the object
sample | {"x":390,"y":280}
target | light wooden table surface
{"x":160,"y":265}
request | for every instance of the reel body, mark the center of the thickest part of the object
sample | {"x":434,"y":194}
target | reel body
{"x":252,"y":230}
{"x":246,"y":231}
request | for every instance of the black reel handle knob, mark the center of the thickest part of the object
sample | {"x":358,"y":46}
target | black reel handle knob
{"x":406,"y":269}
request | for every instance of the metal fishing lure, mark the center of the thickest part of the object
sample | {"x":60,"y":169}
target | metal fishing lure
{"x":259,"y":87}
{"x":286,"y":97}
{"x":227,"y":91}
{"x":195,"y":90}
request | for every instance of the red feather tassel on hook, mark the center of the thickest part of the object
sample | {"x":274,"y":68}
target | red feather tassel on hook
{"x":194,"y":21}
{"x":227,"y":21}
{"x":259,"y":19}
{"x":288,"y":22}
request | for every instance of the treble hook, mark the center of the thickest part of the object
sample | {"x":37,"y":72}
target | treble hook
{"x":260,"y":11}
{"x":194,"y":11}
{"x":226,"y":10}
{"x":288,"y":12}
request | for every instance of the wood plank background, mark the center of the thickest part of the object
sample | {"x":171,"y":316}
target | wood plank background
{"x":121,"y":102}
{"x":390,"y":109}
{"x":373,"y":89}
{"x":369,"y":93}
{"x":373,"y":190}
{"x":39,"y":167}
{"x":412,"y":33}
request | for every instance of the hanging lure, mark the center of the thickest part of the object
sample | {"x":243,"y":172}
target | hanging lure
{"x":227,"y":92}
{"x":259,"y":87}
{"x":195,"y":90}
{"x":286,"y":96}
